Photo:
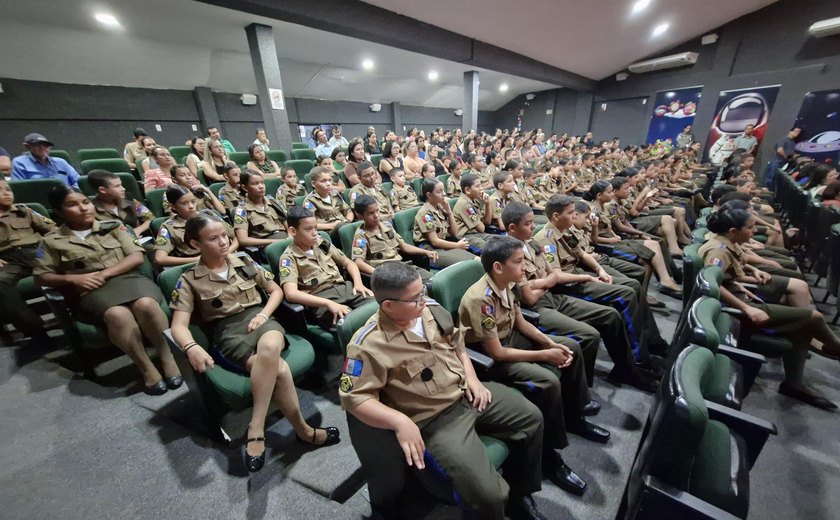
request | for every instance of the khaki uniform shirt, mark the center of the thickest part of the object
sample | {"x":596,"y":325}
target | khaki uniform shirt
{"x":288,"y":195}
{"x":403,"y":198}
{"x":534,"y":263}
{"x":230,"y":197}
{"x":333,"y":211}
{"x":487,"y":311}
{"x":22,"y":227}
{"x":720,"y":251}
{"x":487,"y":175}
{"x":558,"y":253}
{"x":170,"y":237}
{"x":217,"y":298}
{"x":377,"y":247}
{"x":134,"y":153}
{"x":499,"y":202}
{"x":378,"y":194}
{"x":586,"y":176}
{"x":63,"y":252}
{"x":467,"y":215}
{"x":429,"y":219}
{"x":260,"y":222}
{"x":132,"y":213}
{"x":547,"y":186}
{"x":580,"y":238}
{"x":313,"y":271}
{"x":420,"y":377}
{"x":453,"y":186}
{"x":605,"y":217}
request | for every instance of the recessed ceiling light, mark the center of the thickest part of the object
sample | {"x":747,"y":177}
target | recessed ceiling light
{"x":367,"y":64}
{"x":503,"y":87}
{"x":660,"y":29}
{"x":640,"y":5}
{"x":433,"y":76}
{"x":108,"y":20}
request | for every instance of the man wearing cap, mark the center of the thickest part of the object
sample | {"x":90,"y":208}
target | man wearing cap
{"x":39,"y":165}
{"x":134,"y":151}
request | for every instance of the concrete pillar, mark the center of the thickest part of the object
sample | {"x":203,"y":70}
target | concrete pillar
{"x":397,"y":113}
{"x":470,"y":117}
{"x":207,"y":112}
{"x":269,"y":85}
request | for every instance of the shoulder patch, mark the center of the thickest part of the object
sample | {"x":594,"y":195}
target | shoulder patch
{"x":352,"y":366}
{"x":367,"y":329}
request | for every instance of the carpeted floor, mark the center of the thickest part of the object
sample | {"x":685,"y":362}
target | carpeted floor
{"x":76,"y":449}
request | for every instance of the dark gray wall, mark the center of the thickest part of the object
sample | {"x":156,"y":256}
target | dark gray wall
{"x":563,"y":103}
{"x":768,"y":47}
{"x":625,"y":119}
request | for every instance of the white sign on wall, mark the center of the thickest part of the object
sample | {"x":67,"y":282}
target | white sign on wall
{"x":277,"y":102}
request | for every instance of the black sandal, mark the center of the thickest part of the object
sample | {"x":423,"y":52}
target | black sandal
{"x":332,"y":437}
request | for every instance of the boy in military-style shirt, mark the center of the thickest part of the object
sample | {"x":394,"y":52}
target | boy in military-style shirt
{"x":291,"y":187}
{"x":531,"y":195}
{"x":505,"y":186}
{"x":471,"y":211}
{"x":433,"y":222}
{"x":414,"y":399}
{"x":327,"y":205}
{"x":20,"y":231}
{"x":229,"y":194}
{"x":110,"y":203}
{"x":402,"y":196}
{"x":367,"y":186}
{"x":453,"y":183}
{"x":548,"y":370}
{"x":309,"y":272}
{"x":376,"y":242}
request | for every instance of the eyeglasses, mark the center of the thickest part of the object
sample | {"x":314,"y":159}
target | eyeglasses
{"x":417,"y":300}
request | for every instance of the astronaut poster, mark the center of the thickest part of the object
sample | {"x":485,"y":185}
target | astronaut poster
{"x":672,"y":111}
{"x":737,"y":109}
{"x":820,"y":124}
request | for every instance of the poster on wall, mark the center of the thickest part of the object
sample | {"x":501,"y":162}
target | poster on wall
{"x":736,"y":110}
{"x":820,"y":124}
{"x":673,"y":110}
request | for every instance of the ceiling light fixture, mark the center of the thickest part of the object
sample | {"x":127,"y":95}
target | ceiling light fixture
{"x":367,"y":64}
{"x":640,"y":5}
{"x":503,"y":87}
{"x":108,"y":20}
{"x":433,"y":76}
{"x":660,"y":29}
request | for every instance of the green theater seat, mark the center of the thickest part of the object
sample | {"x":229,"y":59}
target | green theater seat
{"x":179,"y":153}
{"x":154,"y":199}
{"x":278,"y":156}
{"x":132,"y":188}
{"x":61,"y":154}
{"x":301,"y":166}
{"x":299,"y":146}
{"x":301,"y":153}
{"x":85,"y":154}
{"x":34,"y":190}
{"x":109,"y":164}
{"x":404,"y":224}
{"x":240,"y":158}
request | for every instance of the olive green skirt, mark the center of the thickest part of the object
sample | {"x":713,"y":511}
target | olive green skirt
{"x":648,"y":224}
{"x":772,"y":291}
{"x":119,"y":290}
{"x":232,"y":340}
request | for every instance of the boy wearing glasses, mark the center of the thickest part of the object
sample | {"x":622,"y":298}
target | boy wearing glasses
{"x":309,"y":272}
{"x":416,"y":403}
{"x":548,"y":370}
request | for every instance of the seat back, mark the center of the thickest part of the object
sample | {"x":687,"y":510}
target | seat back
{"x":708,"y":282}
{"x":38,"y":208}
{"x":699,"y":235}
{"x":704,"y":322}
{"x":345,"y":235}
{"x":132,"y":189}
{"x":272,"y":185}
{"x":110,"y":164}
{"x":278,"y":156}
{"x":34,"y":190}
{"x":61,"y":154}
{"x":404,"y":223}
{"x":217,"y":186}
{"x":304,"y":153}
{"x":452,"y":283}
{"x":354,"y":321}
{"x":154,"y":227}
{"x":692,"y":263}
{"x":375,"y":159}
{"x":85,"y":154}
{"x":416,"y":185}
{"x":154,"y":199}
{"x":240,"y":158}
{"x":301,"y":166}
{"x":179,"y":153}
{"x":299,"y":146}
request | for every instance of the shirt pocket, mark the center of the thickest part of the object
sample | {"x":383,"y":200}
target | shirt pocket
{"x":211,"y":304}
{"x":259,"y":223}
{"x":112,"y":250}
{"x":247,"y":293}
{"x":424,"y":374}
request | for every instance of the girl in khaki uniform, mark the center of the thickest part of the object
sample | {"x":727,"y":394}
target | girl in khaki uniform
{"x":780,"y":306}
{"x":171,"y":248}
{"x":95,"y":264}
{"x":204,"y":198}
{"x":223,"y":290}
{"x":261,"y":219}
{"x":433,"y":222}
{"x":402,"y":196}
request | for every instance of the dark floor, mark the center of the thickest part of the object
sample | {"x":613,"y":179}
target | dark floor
{"x":73,"y":449}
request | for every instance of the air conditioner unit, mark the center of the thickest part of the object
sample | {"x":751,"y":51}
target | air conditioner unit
{"x":375,"y":107}
{"x":459,"y":112}
{"x":825,"y":28}
{"x":666,"y":62}
{"x":248,"y":99}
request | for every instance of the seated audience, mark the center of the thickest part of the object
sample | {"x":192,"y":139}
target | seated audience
{"x":38,"y":164}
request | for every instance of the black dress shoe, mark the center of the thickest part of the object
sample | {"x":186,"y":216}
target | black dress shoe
{"x":635,"y":378}
{"x":653,"y":303}
{"x":591,"y":408}
{"x":523,"y":508}
{"x":563,"y":477}
{"x":158,"y":388}
{"x":174,"y":382}
{"x":814,"y":400}
{"x":589,"y":431}
{"x":667,"y":291}
{"x":254,"y":462}
{"x":333,"y":436}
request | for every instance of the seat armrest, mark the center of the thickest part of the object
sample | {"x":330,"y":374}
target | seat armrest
{"x":750,"y":363}
{"x":750,"y":286}
{"x":531,"y":317}
{"x":754,"y":431}
{"x":173,"y":345}
{"x":659,"y":500}
{"x":292,"y":317}
{"x":732,"y":311}
{"x":604,"y":249}
{"x":480,"y":360}
{"x":493,"y":230}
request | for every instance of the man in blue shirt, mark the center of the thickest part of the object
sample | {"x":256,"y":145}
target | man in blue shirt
{"x":39,"y":165}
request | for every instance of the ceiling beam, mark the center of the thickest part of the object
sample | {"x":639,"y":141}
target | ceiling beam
{"x":371,"y":23}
